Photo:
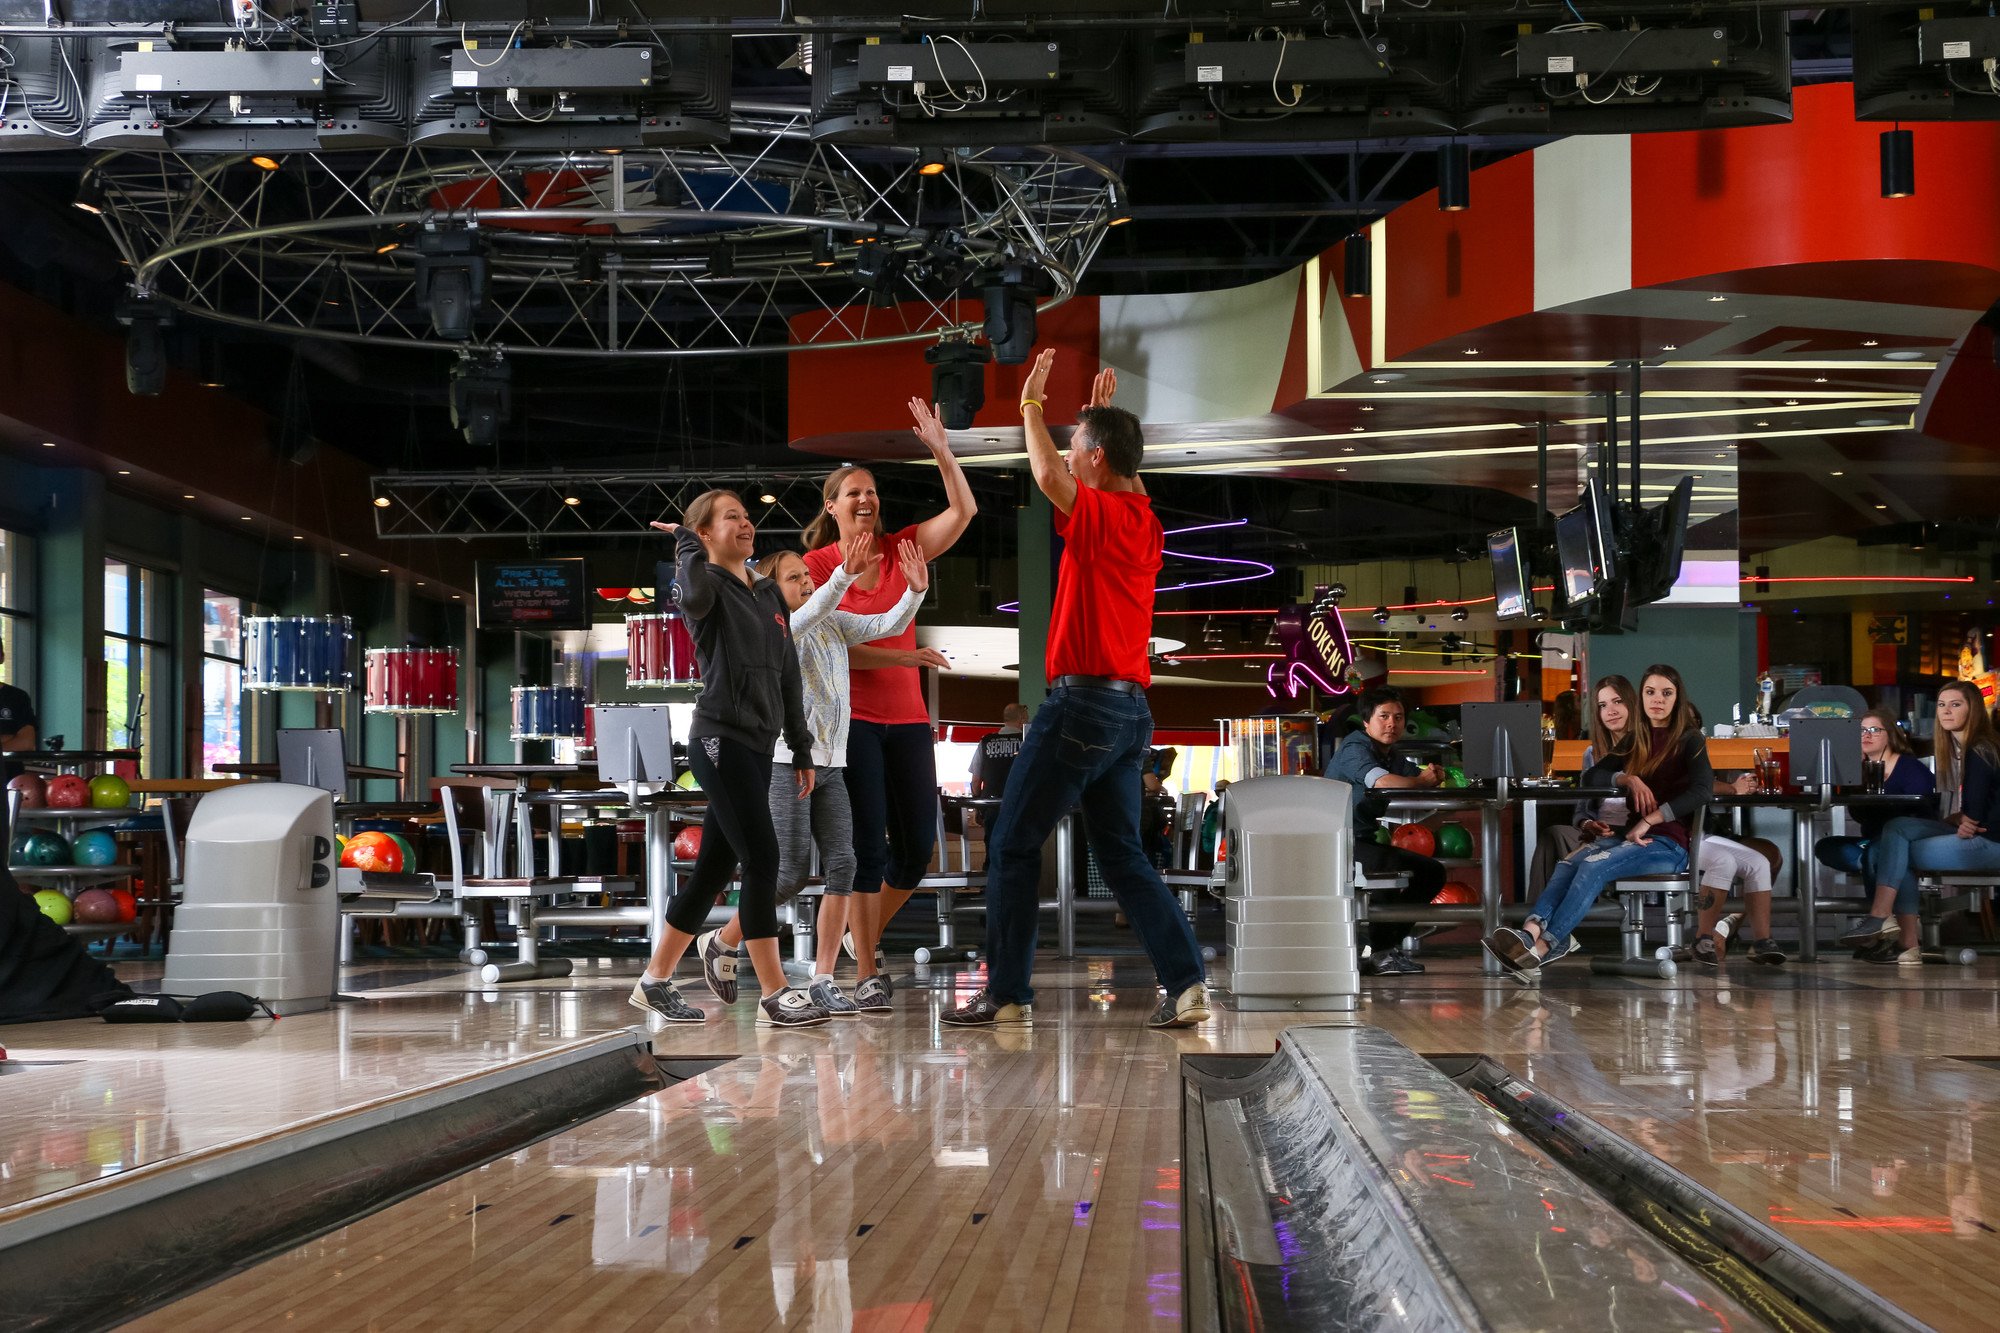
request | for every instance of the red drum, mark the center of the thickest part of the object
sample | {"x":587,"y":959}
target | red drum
{"x":412,"y":680}
{"x":659,"y":651}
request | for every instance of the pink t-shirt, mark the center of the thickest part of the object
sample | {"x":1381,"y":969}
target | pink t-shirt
{"x":888,"y":695}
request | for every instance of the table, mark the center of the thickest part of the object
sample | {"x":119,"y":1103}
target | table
{"x":1804,"y":807}
{"x":68,"y":761}
{"x":271,"y":771}
{"x":1491,"y":803}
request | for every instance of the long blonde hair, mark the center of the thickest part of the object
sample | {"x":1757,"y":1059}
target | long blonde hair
{"x":1684,"y":721}
{"x":825,"y":528}
{"x":1978,"y":736}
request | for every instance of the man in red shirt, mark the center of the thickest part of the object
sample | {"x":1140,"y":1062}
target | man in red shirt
{"x":1088,"y":742}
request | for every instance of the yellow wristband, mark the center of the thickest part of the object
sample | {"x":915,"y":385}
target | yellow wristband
{"x":1027,"y":403}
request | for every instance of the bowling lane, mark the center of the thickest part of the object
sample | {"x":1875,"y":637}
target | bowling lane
{"x":84,"y":1101}
{"x":901,"y":1174}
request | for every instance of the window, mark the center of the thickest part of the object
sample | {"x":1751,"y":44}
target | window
{"x":221,"y":680}
{"x":138,"y":665}
{"x":16,"y":595}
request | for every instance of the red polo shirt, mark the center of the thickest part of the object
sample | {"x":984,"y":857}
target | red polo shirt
{"x":1103,"y":613}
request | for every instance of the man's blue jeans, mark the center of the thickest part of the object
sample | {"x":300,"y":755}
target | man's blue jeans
{"x":1910,"y":844}
{"x":1580,"y":879}
{"x":1084,"y":748}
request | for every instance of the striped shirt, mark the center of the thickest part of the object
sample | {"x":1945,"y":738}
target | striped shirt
{"x":823,"y":633}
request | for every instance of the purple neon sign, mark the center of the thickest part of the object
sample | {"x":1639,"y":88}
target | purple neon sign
{"x":1314,"y":651}
{"x":1261,"y":570}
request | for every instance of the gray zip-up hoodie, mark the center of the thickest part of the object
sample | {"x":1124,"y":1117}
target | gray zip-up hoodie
{"x":750,"y":686}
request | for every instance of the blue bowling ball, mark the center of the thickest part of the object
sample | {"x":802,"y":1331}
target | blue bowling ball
{"x":97,"y":847}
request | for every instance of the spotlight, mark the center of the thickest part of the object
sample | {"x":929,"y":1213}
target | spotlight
{"x":589,"y":268}
{"x":451,"y":280}
{"x":1381,"y":615}
{"x":768,"y":498}
{"x":722,"y":262}
{"x":958,"y":381}
{"x":381,"y":502}
{"x":1360,"y":266}
{"x":90,"y":194}
{"x":1010,"y":315}
{"x":1459,"y":614}
{"x":263,"y":163}
{"x":822,"y":248}
{"x":1117,"y":213}
{"x":878,"y":267}
{"x":932,"y":162}
{"x":482,"y":396}
{"x":1899,"y":164}
{"x":145,"y":346}
{"x":1338,"y":592}
{"x":1454,"y":178}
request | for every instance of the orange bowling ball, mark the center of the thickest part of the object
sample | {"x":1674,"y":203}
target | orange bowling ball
{"x":376,"y":852}
{"x":1459,"y":892}
{"x":1414,"y":838}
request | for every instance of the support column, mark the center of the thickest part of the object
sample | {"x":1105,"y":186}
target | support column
{"x":69,"y":606}
{"x":1034,"y":530}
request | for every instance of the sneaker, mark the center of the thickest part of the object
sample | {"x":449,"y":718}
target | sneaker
{"x":872,"y":995}
{"x":1880,"y":951}
{"x":1560,"y":951}
{"x":1506,"y":945}
{"x":1390,"y":963}
{"x":1868,"y":930}
{"x":1181,"y":1011}
{"x":663,"y":999}
{"x":984,"y":1011}
{"x":1892,"y":957}
{"x":1765,"y":952}
{"x":847,"y":947}
{"x":1705,"y":953}
{"x":718,"y":966}
{"x":790,"y":1009}
{"x":827,"y":995}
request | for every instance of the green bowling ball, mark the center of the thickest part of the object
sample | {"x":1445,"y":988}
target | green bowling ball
{"x":1454,"y":842}
{"x":1455,"y":777}
{"x":43,"y":848}
{"x":1382,"y":834}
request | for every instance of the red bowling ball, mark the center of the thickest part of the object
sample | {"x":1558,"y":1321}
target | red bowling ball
{"x":68,"y":792}
{"x":1414,"y":838}
{"x":34,"y":792}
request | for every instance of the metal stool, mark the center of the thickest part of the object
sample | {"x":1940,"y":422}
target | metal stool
{"x":1677,"y":894}
{"x":1935,"y":897}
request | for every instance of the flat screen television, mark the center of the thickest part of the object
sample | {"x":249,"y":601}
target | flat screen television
{"x":1658,"y":543}
{"x":1511,"y":593}
{"x":1587,"y":551}
{"x":533,"y":594}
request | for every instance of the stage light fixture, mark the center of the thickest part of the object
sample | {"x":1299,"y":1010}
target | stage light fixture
{"x":878,"y":267}
{"x":1359,"y":263}
{"x":958,"y":380}
{"x":822,"y":248}
{"x":1454,"y":161}
{"x":589,"y":268}
{"x":721,"y":262}
{"x":1117,"y":213}
{"x":1899,"y":164}
{"x":932,"y":162}
{"x":1010,"y":315}
{"x":451,"y":280}
{"x":145,"y":344}
{"x":90,"y":194}
{"x":263,"y":163}
{"x":482,"y":396}
{"x":1381,"y":615}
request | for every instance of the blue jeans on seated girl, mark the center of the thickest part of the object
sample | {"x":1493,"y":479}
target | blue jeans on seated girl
{"x":1847,"y":854}
{"x":1910,"y":844}
{"x":1580,"y":880}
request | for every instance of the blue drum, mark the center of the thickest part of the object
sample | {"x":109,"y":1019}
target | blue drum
{"x":549,"y":713}
{"x":308,"y":653}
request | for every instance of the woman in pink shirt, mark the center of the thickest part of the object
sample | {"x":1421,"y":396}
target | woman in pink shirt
{"x":891,"y":759}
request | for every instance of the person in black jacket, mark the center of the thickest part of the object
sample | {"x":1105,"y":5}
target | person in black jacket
{"x":750,"y":695}
{"x":1967,"y":838}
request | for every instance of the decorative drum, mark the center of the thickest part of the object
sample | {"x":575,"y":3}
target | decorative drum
{"x":412,"y":680}
{"x":549,"y":712}
{"x":659,"y":651}
{"x":297,"y":653}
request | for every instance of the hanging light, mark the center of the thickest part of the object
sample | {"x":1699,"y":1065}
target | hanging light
{"x":1454,"y":178}
{"x":1899,"y":164}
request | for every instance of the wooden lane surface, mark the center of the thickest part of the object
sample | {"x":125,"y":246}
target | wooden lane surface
{"x":900,"y":1175}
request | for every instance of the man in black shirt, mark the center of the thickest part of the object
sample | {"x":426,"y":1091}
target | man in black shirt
{"x":995,"y":754}
{"x":17,"y":723}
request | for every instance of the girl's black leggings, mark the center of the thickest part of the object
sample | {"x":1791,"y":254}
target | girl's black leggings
{"x":736,"y":830}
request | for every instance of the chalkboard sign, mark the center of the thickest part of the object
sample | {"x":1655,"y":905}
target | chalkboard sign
{"x":533,"y":595}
